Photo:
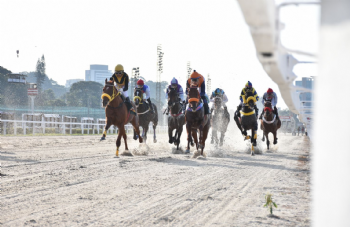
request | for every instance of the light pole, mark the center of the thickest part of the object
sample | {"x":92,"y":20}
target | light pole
{"x":135,"y":76}
{"x":159,"y":72}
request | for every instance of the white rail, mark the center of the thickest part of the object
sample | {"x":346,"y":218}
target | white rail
{"x":62,"y":127}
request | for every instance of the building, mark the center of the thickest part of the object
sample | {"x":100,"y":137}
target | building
{"x":98,"y":73}
{"x":72,"y":81}
{"x":306,"y":97}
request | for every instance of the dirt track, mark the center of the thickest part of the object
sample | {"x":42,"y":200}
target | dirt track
{"x":76,"y":181}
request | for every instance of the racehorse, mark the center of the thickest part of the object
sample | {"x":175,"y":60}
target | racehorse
{"x":176,"y":120}
{"x":196,"y":121}
{"x":145,"y":116}
{"x":117,"y":114}
{"x":269,"y":124}
{"x":220,"y":121}
{"x":248,"y":121}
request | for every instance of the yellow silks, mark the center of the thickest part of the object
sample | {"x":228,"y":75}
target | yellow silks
{"x":248,"y":114}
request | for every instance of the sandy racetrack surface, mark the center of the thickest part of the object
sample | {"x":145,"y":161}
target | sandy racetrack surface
{"x":76,"y":181}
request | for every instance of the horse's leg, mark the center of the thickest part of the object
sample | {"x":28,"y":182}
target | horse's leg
{"x":252,"y":142}
{"x":274,"y":137}
{"x":108,"y":124}
{"x":205,"y":135}
{"x":170,"y":133}
{"x":135,"y":136}
{"x":189,"y":138}
{"x":154,"y":133}
{"x":121,"y":132}
{"x":179,"y":132}
{"x":267,"y":139}
{"x":222,"y":138}
{"x":146,"y":131}
{"x":238,"y":123}
{"x":194,"y":135}
{"x":135,"y":124}
{"x":124,"y":137}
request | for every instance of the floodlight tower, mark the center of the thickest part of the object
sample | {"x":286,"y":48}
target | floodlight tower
{"x":209,"y":85}
{"x":189,"y":69}
{"x":135,"y":74}
{"x":159,"y":72}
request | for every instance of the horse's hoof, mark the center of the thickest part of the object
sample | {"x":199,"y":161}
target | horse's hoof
{"x":103,"y":138}
{"x":187,"y":151}
{"x":252,"y":154}
{"x":192,"y":144}
{"x":274,"y":142}
{"x":221,"y":144}
{"x":254,"y":144}
{"x":263,"y":139}
{"x":170,"y":141}
{"x":154,"y":140}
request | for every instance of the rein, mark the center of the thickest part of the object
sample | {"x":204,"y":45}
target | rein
{"x":114,"y":95}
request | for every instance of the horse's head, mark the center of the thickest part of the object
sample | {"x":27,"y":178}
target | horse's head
{"x":173,"y":97}
{"x":218,"y":102}
{"x":194,"y":98}
{"x":267,"y":112}
{"x":109,"y":92}
{"x":138,"y":96}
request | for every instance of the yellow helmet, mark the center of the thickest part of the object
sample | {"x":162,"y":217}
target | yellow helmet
{"x":119,"y":67}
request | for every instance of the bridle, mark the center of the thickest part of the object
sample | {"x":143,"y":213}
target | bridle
{"x":111,"y":98}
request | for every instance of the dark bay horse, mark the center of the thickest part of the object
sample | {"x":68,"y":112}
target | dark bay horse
{"x":269,"y":123}
{"x":117,"y":114}
{"x":220,"y":121}
{"x":196,"y":121}
{"x":176,"y":120}
{"x":145,"y":115}
{"x":248,"y":121}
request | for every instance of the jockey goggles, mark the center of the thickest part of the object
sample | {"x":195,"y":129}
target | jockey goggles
{"x":173,"y":85}
{"x":119,"y":72}
{"x":139,"y":86}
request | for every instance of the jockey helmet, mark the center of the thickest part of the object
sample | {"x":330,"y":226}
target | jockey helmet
{"x":195,"y":76}
{"x":248,"y":86}
{"x":119,"y":67}
{"x":140,"y":83}
{"x":269,"y":91}
{"x":218,"y":91}
{"x":174,"y":83}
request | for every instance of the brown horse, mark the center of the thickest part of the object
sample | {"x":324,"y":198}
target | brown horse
{"x":176,"y":120}
{"x":117,"y":114}
{"x":196,"y":121}
{"x":269,"y":123}
{"x":145,"y":115}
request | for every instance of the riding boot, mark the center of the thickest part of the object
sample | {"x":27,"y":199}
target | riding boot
{"x":167,"y":110}
{"x":129,"y":106}
{"x":206,"y":108}
{"x":276,"y":112}
{"x":262,"y":113}
{"x":150,"y":105}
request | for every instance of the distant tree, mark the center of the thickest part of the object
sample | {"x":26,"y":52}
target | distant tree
{"x":47,"y":96}
{"x":11,"y":94}
{"x":40,"y":72}
{"x":85,"y":94}
{"x":57,"y":102}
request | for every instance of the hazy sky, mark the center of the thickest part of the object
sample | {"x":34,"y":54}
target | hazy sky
{"x":212,"y":35}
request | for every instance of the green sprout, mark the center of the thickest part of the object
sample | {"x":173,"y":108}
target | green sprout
{"x":269,"y":202}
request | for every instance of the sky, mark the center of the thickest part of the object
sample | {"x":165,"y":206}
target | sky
{"x":211,"y":35}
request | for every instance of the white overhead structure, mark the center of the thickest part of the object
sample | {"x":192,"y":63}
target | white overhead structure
{"x":262,"y":17}
{"x":331,"y":154}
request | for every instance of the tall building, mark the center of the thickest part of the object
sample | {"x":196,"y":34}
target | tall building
{"x":72,"y":81}
{"x":306,"y":82}
{"x":98,"y":73}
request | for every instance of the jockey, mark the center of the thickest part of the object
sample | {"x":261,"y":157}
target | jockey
{"x":219,"y":93}
{"x":271,"y":96}
{"x":174,"y":84}
{"x":198,"y":80}
{"x":145,"y":89}
{"x":246,"y":92}
{"x":121,"y":82}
